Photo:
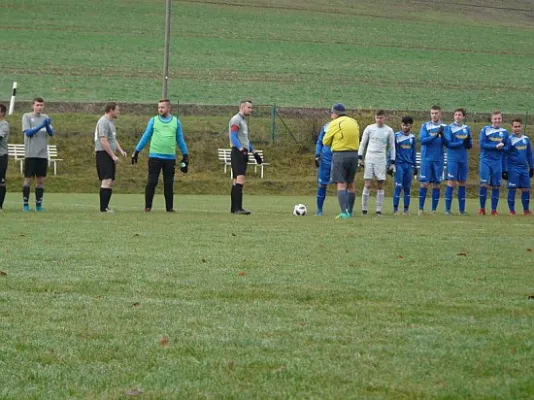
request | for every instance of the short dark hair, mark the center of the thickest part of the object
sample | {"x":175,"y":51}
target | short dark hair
{"x":436,"y":107}
{"x":495,"y":112}
{"x":245,"y":101}
{"x":38,"y":100}
{"x":110,"y":106}
{"x":3,"y":109}
{"x":407,"y":120}
{"x":165,"y":101}
{"x":380,"y":112}
{"x":514,"y":120}
{"x":462,"y":110}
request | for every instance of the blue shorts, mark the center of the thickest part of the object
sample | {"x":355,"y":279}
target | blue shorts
{"x":431,"y":172}
{"x":518,"y":179}
{"x":323,"y":173}
{"x":490,"y":173}
{"x":403,"y":175}
{"x":457,"y":171}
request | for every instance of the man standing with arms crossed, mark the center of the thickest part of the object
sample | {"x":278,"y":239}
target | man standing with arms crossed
{"x":343,"y":137}
{"x":164,"y":132}
{"x":493,"y":144}
{"x":380,"y":137}
{"x":36,"y":127}
{"x":106,"y":144}
{"x":323,"y":161}
{"x":241,"y":146}
{"x":4,"y":134}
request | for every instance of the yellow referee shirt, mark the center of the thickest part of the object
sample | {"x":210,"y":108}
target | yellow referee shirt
{"x":343,"y":134}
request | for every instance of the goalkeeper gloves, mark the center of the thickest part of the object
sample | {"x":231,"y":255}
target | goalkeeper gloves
{"x":257,"y":157}
{"x":317,"y":161}
{"x":184,"y":164}
{"x":135,"y":157}
{"x":467,"y":143}
{"x":415,"y":171}
{"x":361,"y":164}
{"x":505,"y":175}
{"x":531,"y":172}
{"x":391,"y":169}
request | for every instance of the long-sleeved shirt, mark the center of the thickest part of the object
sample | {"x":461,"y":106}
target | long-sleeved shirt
{"x":375,"y":143}
{"x":431,"y":143}
{"x":519,"y":154}
{"x":490,"y":137}
{"x":454,"y":142}
{"x":322,"y":151}
{"x":405,"y":146}
{"x":343,"y":134}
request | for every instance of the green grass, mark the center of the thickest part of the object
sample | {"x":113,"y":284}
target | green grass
{"x":267,"y":306}
{"x":386,"y":54}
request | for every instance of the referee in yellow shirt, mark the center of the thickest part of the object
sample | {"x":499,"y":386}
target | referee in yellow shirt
{"x":343,"y":136}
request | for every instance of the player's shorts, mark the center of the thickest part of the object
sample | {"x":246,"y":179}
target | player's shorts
{"x":375,"y":170}
{"x":457,"y":171}
{"x":431,"y":172}
{"x":3,"y":168}
{"x":239,"y":162}
{"x":518,"y":179}
{"x":324,"y":172}
{"x":344,"y":166}
{"x":35,"y":167}
{"x":105,"y":166}
{"x":490,"y":173}
{"x":403,"y":175}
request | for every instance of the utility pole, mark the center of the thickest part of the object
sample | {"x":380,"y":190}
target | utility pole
{"x":166,"y":55}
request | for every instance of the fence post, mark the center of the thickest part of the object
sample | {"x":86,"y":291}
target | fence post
{"x":273,"y":122}
{"x":526,"y":121}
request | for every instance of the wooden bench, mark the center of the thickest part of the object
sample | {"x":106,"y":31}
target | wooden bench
{"x":225,"y":155}
{"x":418,"y":164}
{"x":17,"y":152}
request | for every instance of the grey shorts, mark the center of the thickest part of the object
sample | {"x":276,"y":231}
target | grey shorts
{"x":344,"y":166}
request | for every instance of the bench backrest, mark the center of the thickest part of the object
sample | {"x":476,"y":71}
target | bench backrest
{"x":418,"y":159}
{"x":225,"y":155}
{"x":17,"y":150}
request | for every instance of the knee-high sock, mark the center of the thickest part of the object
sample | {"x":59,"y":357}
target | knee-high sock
{"x":380,"y":194}
{"x":233,"y":199}
{"x":102,"y":198}
{"x":449,"y":192}
{"x":396,"y":197}
{"x":39,"y":193}
{"x":365,"y":198}
{"x":494,"y":199}
{"x":343,"y":199}
{"x":435,"y":198}
{"x":483,"y":196}
{"x":351,"y":200}
{"x":461,"y":198}
{"x":2,"y":195}
{"x":511,"y":199}
{"x":25,"y":195}
{"x":321,"y":195}
{"x":422,"y":197}
{"x":525,"y":199}
{"x":238,"y":196}
{"x":407,"y":197}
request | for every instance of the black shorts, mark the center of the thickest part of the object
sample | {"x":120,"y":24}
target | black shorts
{"x":239,"y":162}
{"x":35,"y":167}
{"x":3,"y":168}
{"x":105,"y":166}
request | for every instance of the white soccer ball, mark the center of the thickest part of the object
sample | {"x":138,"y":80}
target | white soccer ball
{"x":299,"y":210}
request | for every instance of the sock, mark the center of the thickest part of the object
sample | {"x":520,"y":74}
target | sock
{"x":232,"y":198}
{"x":525,"y":199}
{"x":39,"y":192}
{"x":102,"y":197}
{"x":25,"y":194}
{"x":422,"y":197}
{"x":106,"y":198}
{"x":351,"y":200}
{"x":2,"y":195}
{"x":435,"y":198}
{"x":396,"y":198}
{"x":461,"y":199}
{"x":343,"y":199}
{"x":365,"y":199}
{"x":483,"y":195}
{"x":494,"y":199}
{"x":511,"y":199}
{"x":238,"y":196}
{"x":449,"y":191}
{"x":380,"y":194}
{"x":407,"y":197}
{"x":321,"y":195}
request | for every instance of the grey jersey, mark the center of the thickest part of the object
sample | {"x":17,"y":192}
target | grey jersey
{"x":239,"y":122}
{"x":105,"y":127}
{"x":35,"y":146}
{"x":4,"y":133}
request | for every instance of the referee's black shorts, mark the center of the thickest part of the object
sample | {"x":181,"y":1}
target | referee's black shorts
{"x":3,"y":168}
{"x":105,"y":166}
{"x":35,"y":167}
{"x":239,"y":161}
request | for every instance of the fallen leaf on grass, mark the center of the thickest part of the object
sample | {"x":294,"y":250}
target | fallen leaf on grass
{"x":3,"y":273}
{"x":531,"y":297}
{"x":242,"y":273}
{"x":233,"y":234}
{"x":136,"y":234}
{"x":137,"y":305}
{"x":529,"y":250}
{"x":134,"y":392}
{"x":164,"y":341}
{"x":203,"y":260}
{"x":401,"y":257}
{"x":22,"y":235}
{"x":462,"y":254}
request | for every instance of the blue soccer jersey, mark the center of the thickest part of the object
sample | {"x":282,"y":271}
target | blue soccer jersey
{"x":325,"y":153}
{"x":517,"y":162}
{"x":492,"y":157}
{"x":431,"y":152}
{"x":405,"y":147}
{"x":455,"y":136}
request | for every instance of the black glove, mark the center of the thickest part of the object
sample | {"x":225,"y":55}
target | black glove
{"x":184,"y":164}
{"x":257,"y":157}
{"x":505,"y":175}
{"x":531,"y":172}
{"x":317,"y":161}
{"x":245,"y":155}
{"x":135,"y":156}
{"x":467,"y":143}
{"x":414,"y":171}
{"x":440,"y":131}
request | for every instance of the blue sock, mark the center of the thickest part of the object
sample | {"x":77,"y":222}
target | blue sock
{"x":461,"y":198}
{"x":321,"y":195}
{"x":396,"y":198}
{"x":422,"y":197}
{"x":483,"y":195}
{"x":511,"y":199}
{"x":407,"y":197}
{"x":435,"y":198}
{"x":449,"y":192}
{"x":494,"y":199}
{"x":525,"y":199}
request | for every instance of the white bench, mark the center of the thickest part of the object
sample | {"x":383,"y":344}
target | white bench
{"x":418,"y":164}
{"x":17,"y":152}
{"x":225,"y":155}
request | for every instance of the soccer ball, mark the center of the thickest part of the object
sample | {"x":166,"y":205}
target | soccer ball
{"x":299,"y":210}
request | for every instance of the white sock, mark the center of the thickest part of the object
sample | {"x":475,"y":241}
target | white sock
{"x":365,"y":199}
{"x":380,"y":194}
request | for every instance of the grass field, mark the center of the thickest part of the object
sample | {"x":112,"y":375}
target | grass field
{"x":395,"y":55}
{"x":202,"y":304}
